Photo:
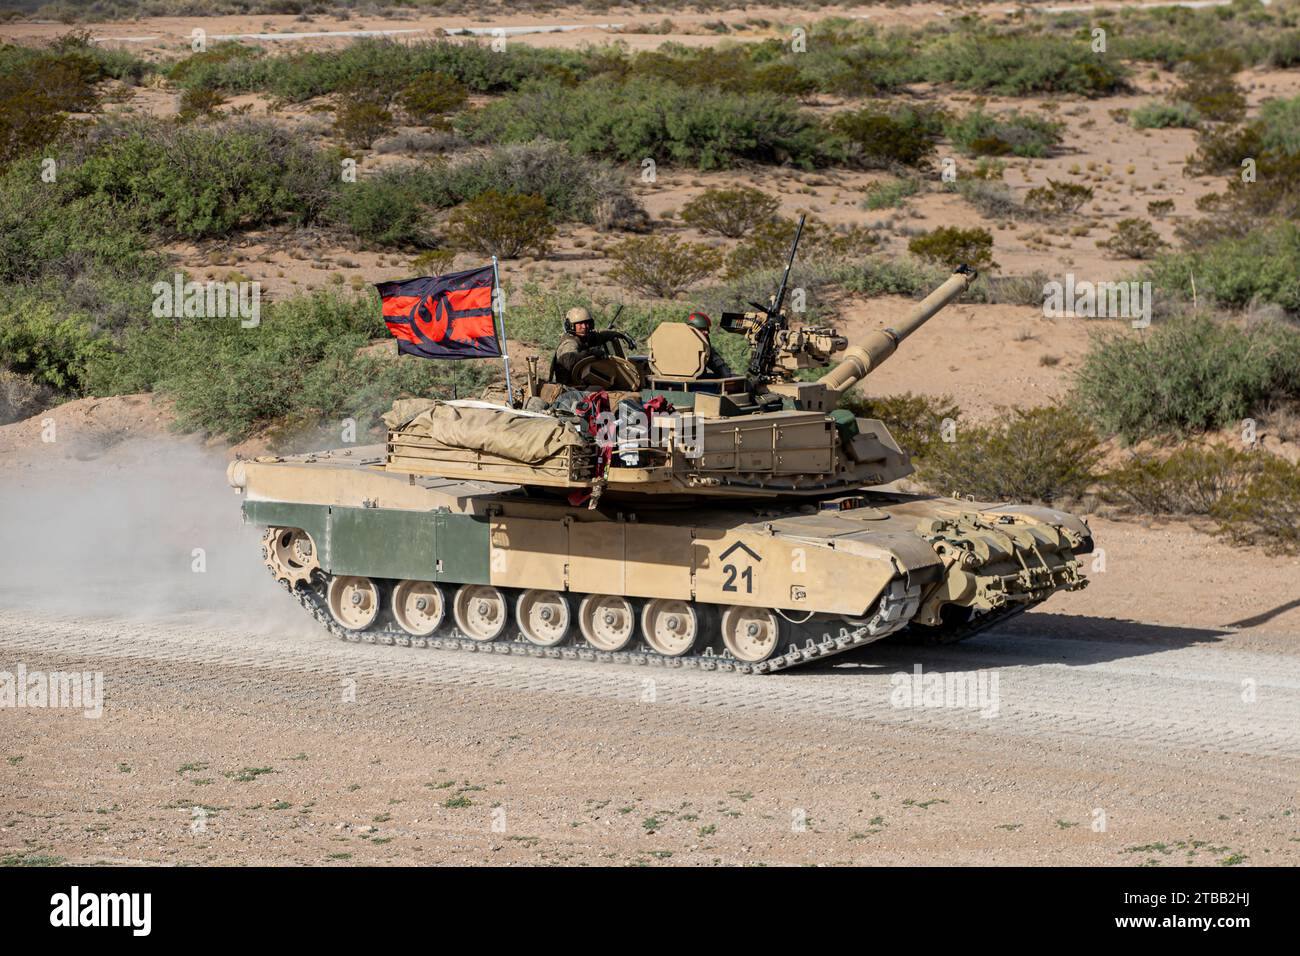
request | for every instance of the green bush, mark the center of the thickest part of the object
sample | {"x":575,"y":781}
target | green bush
{"x":730,"y":212}
{"x":890,"y":193}
{"x":950,"y":246}
{"x":662,"y":267}
{"x":1191,"y":374}
{"x":302,"y":363}
{"x":1019,"y":65}
{"x":506,"y":225}
{"x":878,"y":139}
{"x":199,"y":181}
{"x":1235,"y":271}
{"x":993,"y":199}
{"x":915,"y":421}
{"x":1193,"y":480}
{"x":360,"y":121}
{"x":1266,"y":512}
{"x":1158,"y":115}
{"x":1133,"y":239}
{"x":1037,"y":454}
{"x":1208,"y":85}
{"x":387,"y":210}
{"x":40,"y":86}
{"x":657,"y":120}
{"x":429,"y":97}
{"x":297,"y":76}
{"x":39,"y":340}
{"x":1006,"y":134}
{"x":767,"y":246}
{"x":1058,"y":198}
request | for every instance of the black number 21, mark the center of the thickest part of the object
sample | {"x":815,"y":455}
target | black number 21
{"x":730,"y":583}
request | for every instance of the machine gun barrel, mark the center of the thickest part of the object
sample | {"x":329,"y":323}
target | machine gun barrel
{"x":859,"y":360}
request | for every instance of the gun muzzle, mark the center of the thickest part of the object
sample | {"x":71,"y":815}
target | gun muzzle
{"x":859,"y":360}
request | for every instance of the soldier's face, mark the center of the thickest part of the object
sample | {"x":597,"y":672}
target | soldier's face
{"x":580,"y":329}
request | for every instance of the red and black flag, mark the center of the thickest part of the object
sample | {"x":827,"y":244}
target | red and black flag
{"x":447,"y":316}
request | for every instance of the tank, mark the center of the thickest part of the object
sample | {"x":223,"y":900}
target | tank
{"x":658,"y":515}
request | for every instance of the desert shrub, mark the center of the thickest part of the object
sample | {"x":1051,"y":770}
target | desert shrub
{"x":893,"y":276}
{"x":1017,"y":65}
{"x":950,"y":246}
{"x":433,"y":262}
{"x":1158,"y":115}
{"x":890,"y":193}
{"x":1193,"y":480}
{"x":737,"y":68}
{"x":38,"y":340}
{"x":22,"y":396}
{"x":1037,"y":454}
{"x":662,"y":267}
{"x":992,"y":198}
{"x":1160,"y":207}
{"x":198,"y":181}
{"x":302,"y":362}
{"x":506,"y":225}
{"x":1284,"y":53}
{"x":1191,"y":374}
{"x":40,"y":86}
{"x":1237,"y":270}
{"x":1266,"y":511}
{"x":1208,"y":85}
{"x":767,"y":246}
{"x":878,"y":139}
{"x":429,"y":97}
{"x":730,"y":212}
{"x":385,"y":210}
{"x":297,"y":76}
{"x":574,"y":187}
{"x":915,"y":421}
{"x":196,"y":101}
{"x":359,"y":121}
{"x":1133,"y":239}
{"x":188,"y":71}
{"x":1058,"y":198}
{"x":628,"y":122}
{"x":1006,"y":134}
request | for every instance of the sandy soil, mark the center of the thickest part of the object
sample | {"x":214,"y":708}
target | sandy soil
{"x":1164,"y":697}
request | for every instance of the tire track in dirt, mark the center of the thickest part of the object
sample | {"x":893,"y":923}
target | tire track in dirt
{"x":1188,"y":698}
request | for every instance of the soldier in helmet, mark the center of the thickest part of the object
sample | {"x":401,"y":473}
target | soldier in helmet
{"x":716,"y":367}
{"x":581,"y":340}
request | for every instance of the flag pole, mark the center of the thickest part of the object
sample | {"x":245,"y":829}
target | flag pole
{"x":499,"y":305}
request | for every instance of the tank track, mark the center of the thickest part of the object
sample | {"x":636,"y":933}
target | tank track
{"x":933,"y":636}
{"x":895,"y":608}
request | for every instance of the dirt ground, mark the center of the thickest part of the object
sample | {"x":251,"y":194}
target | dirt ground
{"x":1151,"y":718}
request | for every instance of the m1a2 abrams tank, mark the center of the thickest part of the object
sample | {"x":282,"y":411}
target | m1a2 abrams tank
{"x":733,"y":523}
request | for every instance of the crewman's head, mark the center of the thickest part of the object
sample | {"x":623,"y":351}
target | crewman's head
{"x":698,"y":320}
{"x":579,"y":321}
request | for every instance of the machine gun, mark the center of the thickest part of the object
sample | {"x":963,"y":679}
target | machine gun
{"x":763,"y":327}
{"x":777,"y":351}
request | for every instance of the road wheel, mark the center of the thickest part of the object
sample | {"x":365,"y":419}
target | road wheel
{"x":353,"y":601}
{"x":752,"y":634}
{"x":608,"y":622}
{"x":481,"y":611}
{"x":671,"y":627}
{"x":419,"y":607}
{"x":543,"y":616}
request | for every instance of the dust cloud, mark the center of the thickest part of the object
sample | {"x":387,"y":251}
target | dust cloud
{"x":140,"y":528}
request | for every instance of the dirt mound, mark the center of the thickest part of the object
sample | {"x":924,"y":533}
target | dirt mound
{"x":84,"y":429}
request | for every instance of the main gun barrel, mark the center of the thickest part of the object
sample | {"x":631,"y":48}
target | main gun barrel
{"x":859,"y":360}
